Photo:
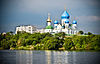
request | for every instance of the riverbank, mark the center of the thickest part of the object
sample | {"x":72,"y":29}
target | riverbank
{"x":31,"y":48}
{"x":47,"y":41}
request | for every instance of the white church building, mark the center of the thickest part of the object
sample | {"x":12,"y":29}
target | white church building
{"x":61,"y":26}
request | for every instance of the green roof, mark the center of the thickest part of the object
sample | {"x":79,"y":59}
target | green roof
{"x":49,"y":27}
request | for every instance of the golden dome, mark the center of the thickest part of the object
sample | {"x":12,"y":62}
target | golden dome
{"x":49,"y":20}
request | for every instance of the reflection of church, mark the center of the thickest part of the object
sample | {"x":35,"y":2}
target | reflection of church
{"x":62,"y":26}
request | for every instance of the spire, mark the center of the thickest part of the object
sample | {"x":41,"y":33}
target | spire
{"x":48,"y":15}
{"x":74,"y":18}
{"x":48,"y":20}
{"x":65,"y":9}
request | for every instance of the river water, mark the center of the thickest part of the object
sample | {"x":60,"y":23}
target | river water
{"x":48,"y":57}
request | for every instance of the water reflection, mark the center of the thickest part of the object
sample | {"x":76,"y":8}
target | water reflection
{"x":60,"y":57}
{"x":74,"y":57}
{"x":48,"y":57}
{"x":7,"y":57}
{"x":30,"y":57}
{"x":24,"y":57}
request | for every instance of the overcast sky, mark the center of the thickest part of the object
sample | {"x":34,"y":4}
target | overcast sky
{"x":34,"y":12}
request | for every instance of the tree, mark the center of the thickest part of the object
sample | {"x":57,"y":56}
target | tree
{"x":5,"y":44}
{"x":80,"y":32}
{"x":85,"y":34}
{"x":11,"y":32}
{"x":13,"y":43}
{"x":68,"y":43}
{"x":50,"y":43}
{"x":95,"y":42}
{"x":61,"y":35}
{"x":89,"y":33}
{"x":80,"y":42}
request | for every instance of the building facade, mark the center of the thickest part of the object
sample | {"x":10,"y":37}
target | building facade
{"x":62,"y":26}
{"x":26,"y":28}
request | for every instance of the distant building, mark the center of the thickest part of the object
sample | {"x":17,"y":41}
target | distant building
{"x":62,"y":26}
{"x":26,"y":28}
{"x":40,"y":30}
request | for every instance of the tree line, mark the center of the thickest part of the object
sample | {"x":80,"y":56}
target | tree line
{"x":47,"y":41}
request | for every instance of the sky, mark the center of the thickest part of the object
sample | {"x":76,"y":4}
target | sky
{"x":34,"y":12}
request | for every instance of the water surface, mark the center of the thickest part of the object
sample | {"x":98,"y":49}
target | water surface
{"x":48,"y":57}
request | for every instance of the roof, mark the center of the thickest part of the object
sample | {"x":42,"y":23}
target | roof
{"x":74,"y":22}
{"x":65,"y":15}
{"x":49,"y":27}
{"x":56,"y":22}
{"x":49,"y":20}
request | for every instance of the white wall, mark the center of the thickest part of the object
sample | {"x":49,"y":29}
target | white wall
{"x":29,"y":29}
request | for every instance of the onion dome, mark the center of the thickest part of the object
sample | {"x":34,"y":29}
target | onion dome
{"x":67,"y":21}
{"x":49,"y":20}
{"x":49,"y":27}
{"x":65,"y":15}
{"x":74,"y":22}
{"x":56,"y":22}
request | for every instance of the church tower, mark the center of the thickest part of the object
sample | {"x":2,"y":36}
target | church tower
{"x":67,"y":24}
{"x":74,"y":27}
{"x":49,"y":20}
{"x":55,"y":24}
{"x":65,"y":19}
{"x":49,"y":27}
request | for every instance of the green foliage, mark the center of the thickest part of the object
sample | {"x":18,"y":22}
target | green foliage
{"x":50,"y":43}
{"x":13,"y":43}
{"x":89,"y":33}
{"x":34,"y":43}
{"x":80,"y":32}
{"x":68,"y":43}
{"x":47,"y":41}
{"x":61,"y":35}
{"x":79,"y":42}
{"x":38,"y":47}
{"x":5,"y":44}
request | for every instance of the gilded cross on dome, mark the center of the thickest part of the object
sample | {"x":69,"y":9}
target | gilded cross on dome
{"x":48,"y":20}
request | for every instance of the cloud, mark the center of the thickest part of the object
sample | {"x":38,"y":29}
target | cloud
{"x":88,"y":18}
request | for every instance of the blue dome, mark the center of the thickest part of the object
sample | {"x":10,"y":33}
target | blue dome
{"x":65,"y":15}
{"x":56,"y":22}
{"x":74,"y":22}
{"x":66,"y":21}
